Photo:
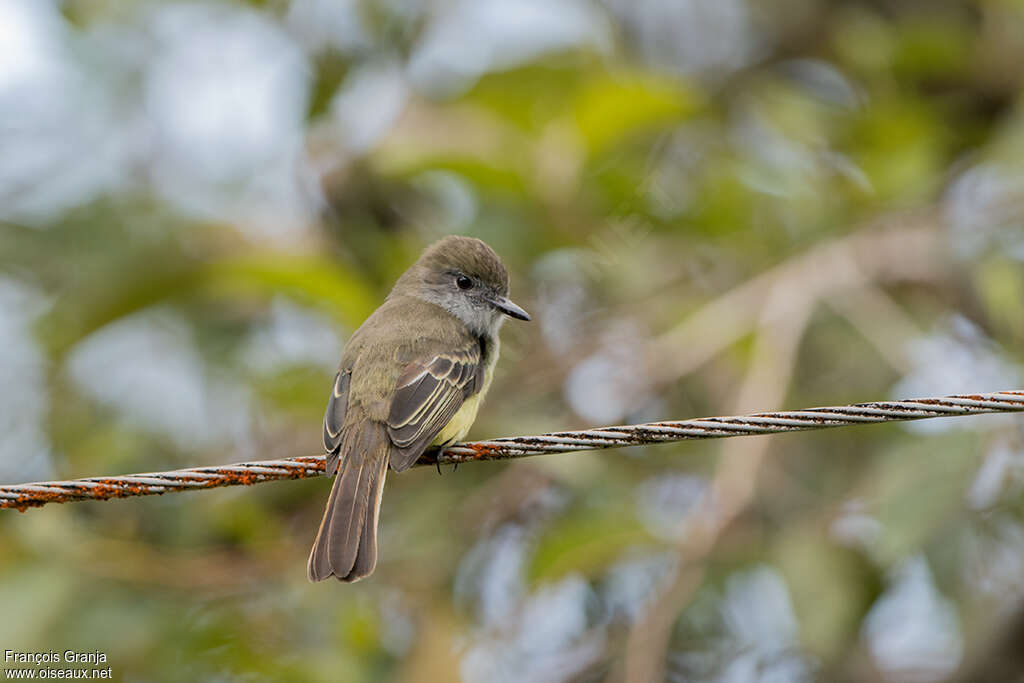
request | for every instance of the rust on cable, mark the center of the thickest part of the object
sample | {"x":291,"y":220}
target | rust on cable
{"x":24,"y":496}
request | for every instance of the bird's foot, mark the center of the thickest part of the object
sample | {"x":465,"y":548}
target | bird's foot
{"x":436,"y":454}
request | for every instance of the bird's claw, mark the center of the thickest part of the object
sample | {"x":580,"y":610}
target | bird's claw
{"x":437,"y":461}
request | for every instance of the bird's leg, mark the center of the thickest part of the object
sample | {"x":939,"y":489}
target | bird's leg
{"x":435,"y":452}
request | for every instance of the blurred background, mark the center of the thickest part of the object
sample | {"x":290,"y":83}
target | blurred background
{"x":709,"y":207}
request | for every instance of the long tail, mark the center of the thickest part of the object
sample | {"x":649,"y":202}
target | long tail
{"x":346,"y":545}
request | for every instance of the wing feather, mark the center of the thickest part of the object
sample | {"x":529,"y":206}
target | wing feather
{"x":334,"y":417}
{"x":428,"y":395}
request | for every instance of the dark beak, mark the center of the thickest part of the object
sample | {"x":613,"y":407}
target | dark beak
{"x":510,"y":309}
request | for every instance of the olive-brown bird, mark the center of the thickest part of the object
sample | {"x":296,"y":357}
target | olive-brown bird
{"x":412,"y":377}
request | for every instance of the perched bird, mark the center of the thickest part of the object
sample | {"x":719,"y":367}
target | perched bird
{"x":412,"y":377}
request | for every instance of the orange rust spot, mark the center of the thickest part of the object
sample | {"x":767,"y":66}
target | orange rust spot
{"x":481,"y":450}
{"x":24,"y":502}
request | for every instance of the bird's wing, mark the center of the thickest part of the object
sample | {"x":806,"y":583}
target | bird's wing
{"x":334,"y":418}
{"x":428,"y":395}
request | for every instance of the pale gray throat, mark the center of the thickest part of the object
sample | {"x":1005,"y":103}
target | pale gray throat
{"x":483,"y":320}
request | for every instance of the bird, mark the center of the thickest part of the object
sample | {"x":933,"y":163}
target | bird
{"x":411,"y":378}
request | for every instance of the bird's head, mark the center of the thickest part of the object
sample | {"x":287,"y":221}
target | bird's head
{"x":467,"y":278}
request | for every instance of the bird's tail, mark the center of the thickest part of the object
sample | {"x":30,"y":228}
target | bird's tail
{"x":346,"y":544}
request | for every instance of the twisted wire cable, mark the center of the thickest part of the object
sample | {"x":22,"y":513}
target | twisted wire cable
{"x":37,"y":494}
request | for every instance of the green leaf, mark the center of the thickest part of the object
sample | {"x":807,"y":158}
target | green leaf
{"x":832,"y":587}
{"x":934,"y":47}
{"x":619,"y":106}
{"x":502,"y":179}
{"x":943,"y":467}
{"x":1000,"y":285}
{"x":79,"y":313}
{"x":309,"y":279}
{"x":548,"y":88}
{"x":901,"y":144}
{"x":585,"y":543}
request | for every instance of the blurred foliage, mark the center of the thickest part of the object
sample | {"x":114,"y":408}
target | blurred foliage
{"x":178,"y":277}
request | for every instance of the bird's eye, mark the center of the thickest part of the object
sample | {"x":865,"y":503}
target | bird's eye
{"x":464,"y":282}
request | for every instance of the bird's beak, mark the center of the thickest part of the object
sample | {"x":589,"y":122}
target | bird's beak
{"x":506,"y":306}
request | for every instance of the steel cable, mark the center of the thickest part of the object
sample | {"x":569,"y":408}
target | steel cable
{"x":36,"y":494}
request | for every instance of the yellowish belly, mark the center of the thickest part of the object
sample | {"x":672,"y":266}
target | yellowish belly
{"x":459,"y":425}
